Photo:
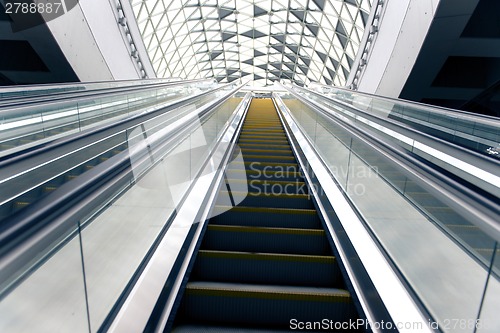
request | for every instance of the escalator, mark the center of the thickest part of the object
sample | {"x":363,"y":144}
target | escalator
{"x":38,"y":192}
{"x":267,"y":263}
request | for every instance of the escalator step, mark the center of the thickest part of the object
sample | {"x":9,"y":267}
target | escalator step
{"x":277,"y":186}
{"x":254,"y":140}
{"x":266,"y":217}
{"x":271,"y":158}
{"x":266,"y":268}
{"x":263,"y":305}
{"x":264,"y":146}
{"x":278,"y":200}
{"x":6,"y":146}
{"x":263,"y":184}
{"x":274,"y":152}
{"x":262,"y":164}
{"x":265,"y":239}
{"x":20,"y":204}
{"x":283,"y":174}
{"x":256,"y":129}
{"x":222,"y":329}
{"x":48,"y":189}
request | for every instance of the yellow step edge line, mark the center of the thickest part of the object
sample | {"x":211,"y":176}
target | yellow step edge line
{"x":260,"y":136}
{"x":462,"y":226}
{"x":251,"y":122}
{"x":266,"y":163}
{"x":267,"y":172}
{"x":275,"y":142}
{"x":277,"y":126}
{"x":271,"y":210}
{"x":266,"y":256}
{"x":270,"y":122}
{"x":269,"y":295}
{"x":242,"y":145}
{"x":263,"y":142}
{"x":269,"y":157}
{"x":268,"y":230}
{"x":486,"y":250}
{"x":264,"y":181}
{"x":260,"y":129}
{"x":253,"y":150}
{"x":263,"y":129}
{"x":262,"y":133}
{"x":270,"y":195}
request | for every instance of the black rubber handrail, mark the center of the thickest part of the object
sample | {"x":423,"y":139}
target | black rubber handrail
{"x":37,"y":90}
{"x":358,"y":111}
{"x":411,"y":103}
{"x":95,"y":131}
{"x":88,"y":96}
{"x":487,"y":162}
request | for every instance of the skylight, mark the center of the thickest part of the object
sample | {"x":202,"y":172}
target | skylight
{"x":261,"y":40}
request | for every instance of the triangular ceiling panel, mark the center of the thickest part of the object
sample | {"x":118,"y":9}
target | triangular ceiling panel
{"x":229,"y":39}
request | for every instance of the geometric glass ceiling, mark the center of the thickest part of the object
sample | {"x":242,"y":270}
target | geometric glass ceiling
{"x":259,"y":40}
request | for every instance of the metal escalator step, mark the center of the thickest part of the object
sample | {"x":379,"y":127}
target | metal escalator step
{"x":263,"y":125}
{"x":280,"y":231}
{"x":270,"y":186}
{"x":222,"y":329}
{"x":264,"y":145}
{"x":266,"y":268}
{"x":266,"y":217}
{"x":7,"y":146}
{"x":270,"y":210}
{"x":21,"y":204}
{"x":472,"y":235}
{"x":254,"y":256}
{"x":265,"y":239}
{"x":48,"y":189}
{"x":282,"y":164}
{"x":446,"y":215}
{"x":262,"y":129}
{"x":267,"y":151}
{"x":266,"y":137}
{"x":261,"y":120}
{"x":335,"y":295}
{"x":263,"y":305}
{"x":424,"y":199}
{"x":253,"y":140}
{"x":276,"y":199}
{"x":284,"y":174}
{"x":249,"y":157}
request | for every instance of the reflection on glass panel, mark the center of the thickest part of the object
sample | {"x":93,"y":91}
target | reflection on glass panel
{"x":442,"y":255}
{"x":488,"y":319}
{"x":51,"y":299}
{"x":117,"y":241}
